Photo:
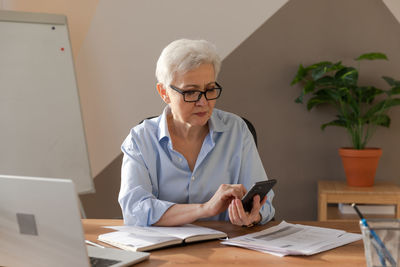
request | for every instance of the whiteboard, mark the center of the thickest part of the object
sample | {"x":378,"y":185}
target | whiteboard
{"x":41,"y":128}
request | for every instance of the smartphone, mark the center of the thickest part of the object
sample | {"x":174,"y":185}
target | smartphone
{"x":259,"y":188}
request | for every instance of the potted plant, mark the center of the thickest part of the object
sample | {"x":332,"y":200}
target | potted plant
{"x":360,"y":109}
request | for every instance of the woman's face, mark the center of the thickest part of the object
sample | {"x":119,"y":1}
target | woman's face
{"x":192,"y":113}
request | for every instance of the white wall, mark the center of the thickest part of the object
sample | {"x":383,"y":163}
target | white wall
{"x":116,"y":63}
{"x":394,"y":7}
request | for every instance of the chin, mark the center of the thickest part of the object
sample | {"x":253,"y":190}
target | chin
{"x":200,"y":121}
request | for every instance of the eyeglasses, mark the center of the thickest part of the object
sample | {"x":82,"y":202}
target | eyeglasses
{"x":195,"y":95}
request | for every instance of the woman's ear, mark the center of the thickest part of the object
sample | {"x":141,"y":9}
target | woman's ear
{"x":162,"y":91}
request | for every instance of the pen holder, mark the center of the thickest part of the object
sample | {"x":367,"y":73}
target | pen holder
{"x":378,"y":253}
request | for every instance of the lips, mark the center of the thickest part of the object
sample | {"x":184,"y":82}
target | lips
{"x":201,"y":114}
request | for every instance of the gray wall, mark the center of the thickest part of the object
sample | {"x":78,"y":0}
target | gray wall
{"x":256,"y":79}
{"x":104,"y":204}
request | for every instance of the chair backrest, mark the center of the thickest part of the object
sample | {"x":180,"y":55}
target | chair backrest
{"x":248,"y":123}
{"x":148,"y":118}
{"x":252,"y":129}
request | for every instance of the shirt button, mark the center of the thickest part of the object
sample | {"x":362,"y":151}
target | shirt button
{"x":180,"y":159}
{"x":193,"y":178}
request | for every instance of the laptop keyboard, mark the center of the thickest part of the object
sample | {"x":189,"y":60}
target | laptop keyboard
{"x":101,"y":262}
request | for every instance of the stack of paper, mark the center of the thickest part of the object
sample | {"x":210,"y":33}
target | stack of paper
{"x":294,"y":239}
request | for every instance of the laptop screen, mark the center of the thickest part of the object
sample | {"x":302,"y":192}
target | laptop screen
{"x":40,"y":225}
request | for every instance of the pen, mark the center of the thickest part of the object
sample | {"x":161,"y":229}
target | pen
{"x":379,"y":251}
{"x":380,"y":247}
{"x":93,"y":244}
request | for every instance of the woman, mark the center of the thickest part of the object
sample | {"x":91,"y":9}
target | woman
{"x":193,"y":161}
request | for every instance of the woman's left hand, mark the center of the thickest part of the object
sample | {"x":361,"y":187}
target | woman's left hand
{"x":239,"y":216}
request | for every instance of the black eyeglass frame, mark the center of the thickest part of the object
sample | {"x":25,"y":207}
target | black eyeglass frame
{"x":183,"y":93}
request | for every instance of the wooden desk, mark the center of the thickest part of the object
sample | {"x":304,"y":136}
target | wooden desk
{"x":212,"y":253}
{"x":339,"y":192}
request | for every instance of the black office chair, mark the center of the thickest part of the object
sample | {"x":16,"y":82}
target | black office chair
{"x":248,"y":123}
{"x":252,"y":129}
{"x":148,"y":118}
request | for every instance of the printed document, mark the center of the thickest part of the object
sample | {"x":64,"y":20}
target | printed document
{"x":294,"y":239}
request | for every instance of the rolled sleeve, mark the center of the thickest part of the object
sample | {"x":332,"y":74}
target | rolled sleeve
{"x":140,"y":208}
{"x":267,"y":211}
{"x":138,"y":204}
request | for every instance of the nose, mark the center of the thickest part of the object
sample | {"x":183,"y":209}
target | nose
{"x":202,"y":101}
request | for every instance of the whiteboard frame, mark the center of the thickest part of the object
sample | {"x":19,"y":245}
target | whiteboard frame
{"x":55,"y":19}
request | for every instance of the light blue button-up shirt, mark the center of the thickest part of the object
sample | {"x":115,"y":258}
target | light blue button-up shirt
{"x":154,"y":176}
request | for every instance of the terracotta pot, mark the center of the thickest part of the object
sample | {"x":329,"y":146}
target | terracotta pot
{"x":360,"y":165}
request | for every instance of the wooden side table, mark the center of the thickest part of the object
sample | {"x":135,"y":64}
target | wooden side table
{"x":334,"y":192}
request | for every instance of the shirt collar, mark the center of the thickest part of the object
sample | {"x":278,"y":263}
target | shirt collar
{"x":216,"y":123}
{"x":163,"y":125}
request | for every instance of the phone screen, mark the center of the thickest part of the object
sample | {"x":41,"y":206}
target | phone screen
{"x":259,"y":188}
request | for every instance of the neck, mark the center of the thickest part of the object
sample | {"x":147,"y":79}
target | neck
{"x":185,"y":130}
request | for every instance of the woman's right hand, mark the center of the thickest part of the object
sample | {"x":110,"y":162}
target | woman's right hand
{"x":222,"y":198}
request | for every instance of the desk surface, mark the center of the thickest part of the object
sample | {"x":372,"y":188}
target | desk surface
{"x":212,"y":253}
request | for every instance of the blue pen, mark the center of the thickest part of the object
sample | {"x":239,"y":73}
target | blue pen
{"x":380,"y":247}
{"x":378,"y":251}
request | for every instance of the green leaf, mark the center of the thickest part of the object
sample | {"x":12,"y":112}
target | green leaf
{"x":337,"y":66}
{"x":367,"y":94}
{"x":330,"y":92}
{"x":299,"y":99}
{"x":381,"y":107}
{"x":339,"y":123}
{"x":301,"y":73}
{"x":325,"y":81}
{"x":319,"y":64}
{"x":347,"y":76}
{"x":309,"y":87}
{"x":393,"y":102}
{"x":372,"y":56}
{"x":354,"y":107}
{"x":324,"y":67}
{"x":318,"y":100}
{"x":391,"y":81}
{"x":329,"y":66}
{"x":319,"y":72}
{"x":394,"y":91}
{"x":347,"y":120}
{"x":381,"y":120}
{"x":343,"y":92}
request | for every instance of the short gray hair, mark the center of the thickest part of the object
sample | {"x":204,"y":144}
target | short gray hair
{"x":184,"y":55}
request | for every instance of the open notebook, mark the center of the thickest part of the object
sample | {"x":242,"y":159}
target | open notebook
{"x":137,"y":238}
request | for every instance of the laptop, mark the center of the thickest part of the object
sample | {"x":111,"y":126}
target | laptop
{"x":40,"y":226}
